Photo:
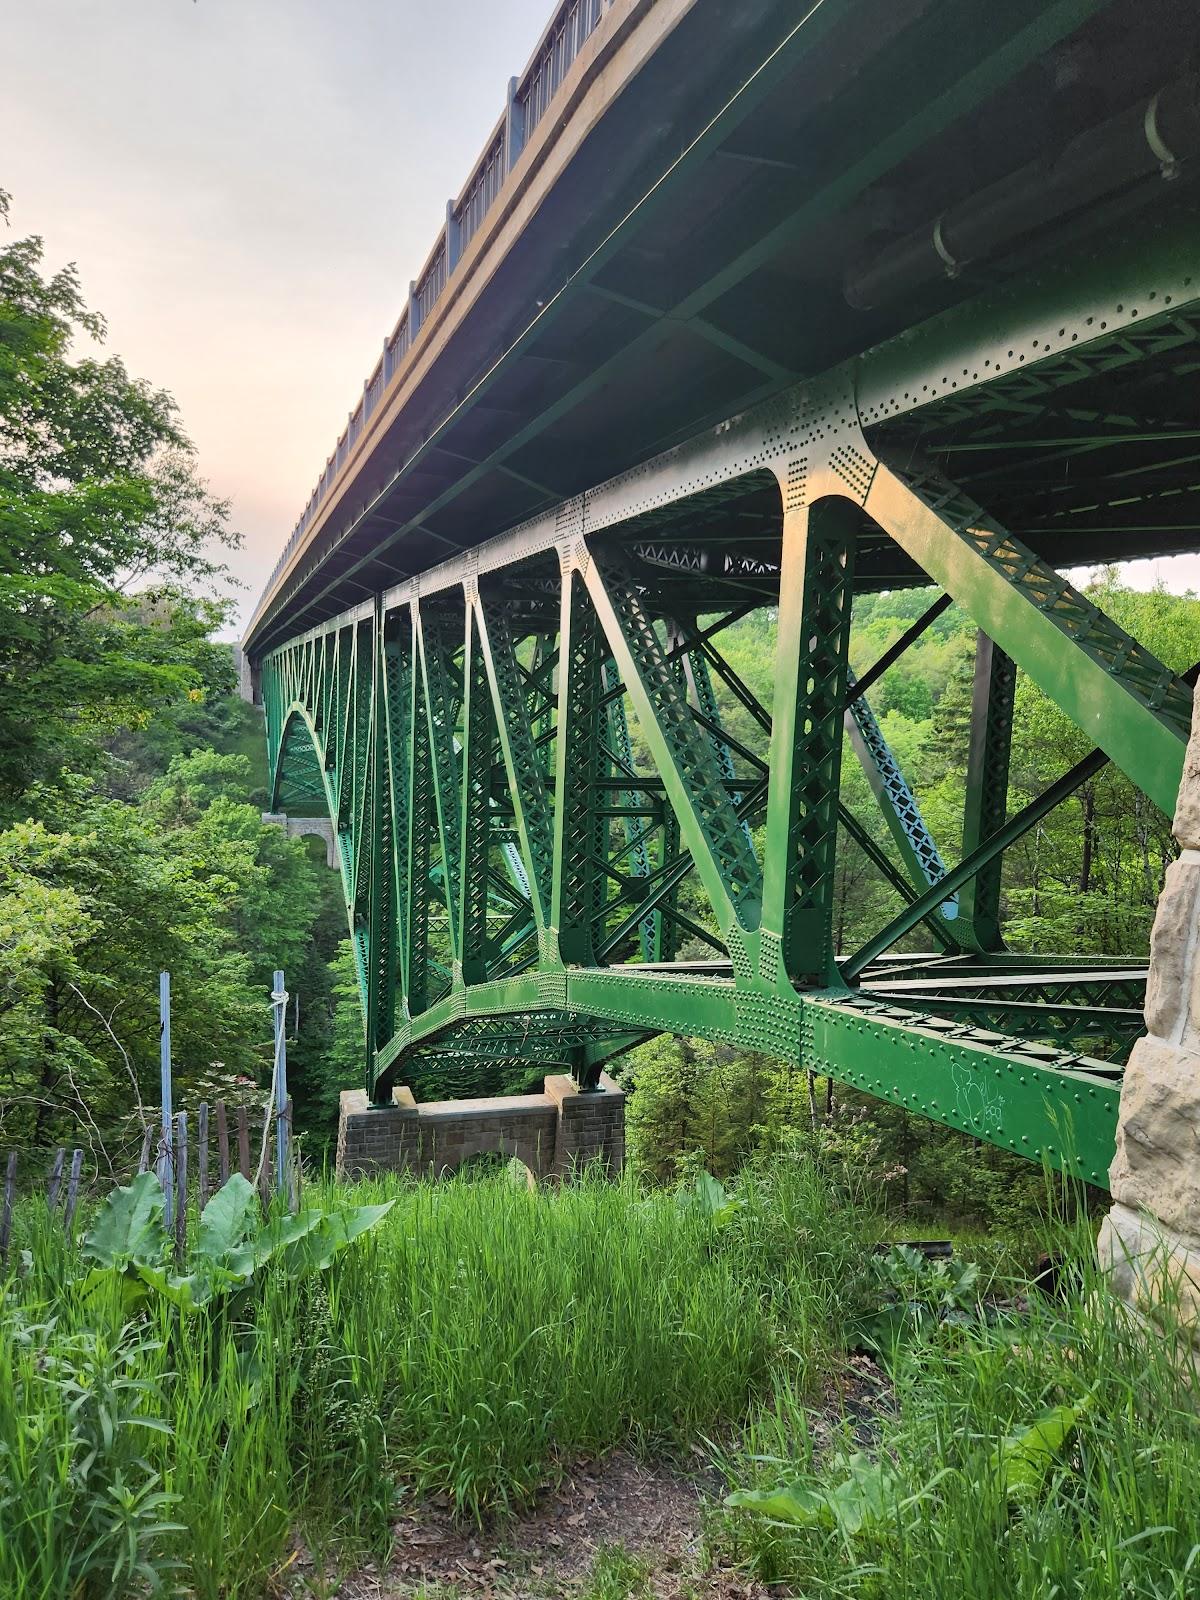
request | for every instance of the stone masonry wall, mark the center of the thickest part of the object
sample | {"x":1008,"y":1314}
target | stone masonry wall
{"x":553,"y":1133}
{"x":1152,"y":1233}
{"x":305,"y":827}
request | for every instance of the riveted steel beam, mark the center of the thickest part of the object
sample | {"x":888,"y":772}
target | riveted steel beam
{"x":993,"y":693}
{"x":1119,"y":694}
{"x":724,"y":858}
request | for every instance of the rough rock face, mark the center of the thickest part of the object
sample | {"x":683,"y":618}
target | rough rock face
{"x":1150,"y":1240}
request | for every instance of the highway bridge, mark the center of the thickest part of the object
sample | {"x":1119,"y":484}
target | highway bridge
{"x":748,"y":305}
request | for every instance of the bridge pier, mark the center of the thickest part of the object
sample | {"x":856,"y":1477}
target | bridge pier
{"x":554,"y":1133}
{"x":302,"y":827}
{"x":1150,"y":1240}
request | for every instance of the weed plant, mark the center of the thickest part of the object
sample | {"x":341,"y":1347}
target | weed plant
{"x":1055,"y":1452}
{"x":477,"y":1340}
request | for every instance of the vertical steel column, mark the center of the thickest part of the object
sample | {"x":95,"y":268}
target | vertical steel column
{"x":422,"y":822}
{"x":378,"y":848}
{"x":396,"y":712}
{"x":811,"y":666}
{"x":987,"y":784}
{"x":479,"y":733}
{"x":581,"y":721}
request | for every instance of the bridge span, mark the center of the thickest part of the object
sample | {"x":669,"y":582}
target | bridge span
{"x":753,"y":305}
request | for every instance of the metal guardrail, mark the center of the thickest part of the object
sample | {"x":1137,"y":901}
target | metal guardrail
{"x":529,"y":98}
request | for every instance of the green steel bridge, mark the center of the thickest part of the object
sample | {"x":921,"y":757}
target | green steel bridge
{"x":754,"y":305}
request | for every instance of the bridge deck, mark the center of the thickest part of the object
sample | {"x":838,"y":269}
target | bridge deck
{"x":718,"y":199}
{"x":936,"y":269}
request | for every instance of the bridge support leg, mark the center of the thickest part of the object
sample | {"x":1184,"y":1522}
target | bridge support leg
{"x":555,"y":1133}
{"x":1150,"y":1240}
{"x":590,"y":1125}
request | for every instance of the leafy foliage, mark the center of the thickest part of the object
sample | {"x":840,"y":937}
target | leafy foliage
{"x":97,"y":895}
{"x":232,"y":1243}
{"x":865,"y":1497}
{"x":107,"y":536}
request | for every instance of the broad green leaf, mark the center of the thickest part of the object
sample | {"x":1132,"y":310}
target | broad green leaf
{"x":891,"y":1330}
{"x":1025,"y":1459}
{"x":790,"y":1502}
{"x":316,"y":1249}
{"x":227,"y":1219}
{"x":277,"y":1235}
{"x":129,"y":1227}
{"x":711,"y":1195}
{"x":188,"y":1293}
{"x":868,"y":1496}
{"x":347,"y":1225}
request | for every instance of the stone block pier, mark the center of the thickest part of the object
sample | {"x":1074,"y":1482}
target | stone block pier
{"x":554,"y":1133}
{"x":1150,"y":1240}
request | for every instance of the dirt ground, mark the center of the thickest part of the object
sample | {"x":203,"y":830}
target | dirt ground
{"x":653,"y":1511}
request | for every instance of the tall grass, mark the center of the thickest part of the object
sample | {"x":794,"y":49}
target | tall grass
{"x":1118,"y":1514}
{"x":468,"y":1348}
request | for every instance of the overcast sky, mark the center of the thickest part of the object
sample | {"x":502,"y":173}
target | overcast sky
{"x":247,"y":187}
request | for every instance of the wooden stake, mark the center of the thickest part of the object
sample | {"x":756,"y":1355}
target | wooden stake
{"x":10,"y":1188}
{"x":180,"y":1185}
{"x":72,"y":1191}
{"x":282,"y":1129}
{"x":222,"y":1142}
{"x":147,"y":1141}
{"x":243,"y":1132}
{"x":55,"y":1183}
{"x":293,"y":1169}
{"x":202,"y":1154}
{"x":164,"y":1058}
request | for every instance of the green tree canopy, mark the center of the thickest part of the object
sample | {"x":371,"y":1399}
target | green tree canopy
{"x":109,"y":542}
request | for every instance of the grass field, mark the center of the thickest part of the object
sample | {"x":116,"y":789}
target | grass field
{"x":484,"y":1336}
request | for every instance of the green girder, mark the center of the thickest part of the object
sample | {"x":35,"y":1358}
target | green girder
{"x":536,"y":799}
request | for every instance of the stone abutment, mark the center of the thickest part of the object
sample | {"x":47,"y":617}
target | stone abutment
{"x":1150,"y":1240}
{"x":553,"y":1133}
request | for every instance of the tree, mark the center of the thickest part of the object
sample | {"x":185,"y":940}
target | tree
{"x":96,"y":896}
{"x":99,"y":502}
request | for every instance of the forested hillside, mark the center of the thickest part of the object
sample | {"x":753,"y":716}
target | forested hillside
{"x":131,"y":778}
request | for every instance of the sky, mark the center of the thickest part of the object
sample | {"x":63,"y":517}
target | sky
{"x":247,"y":187}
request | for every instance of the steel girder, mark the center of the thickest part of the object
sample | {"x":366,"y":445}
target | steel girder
{"x":486,"y":707}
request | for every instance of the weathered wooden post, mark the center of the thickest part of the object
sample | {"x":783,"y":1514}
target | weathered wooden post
{"x":243,"y":1136}
{"x":72,"y":1192}
{"x":180,"y":1185}
{"x":202,"y":1154}
{"x":10,"y":1186}
{"x":222,"y":1143}
{"x":164,"y":1056}
{"x":56,"y":1172}
{"x":279,"y":1000}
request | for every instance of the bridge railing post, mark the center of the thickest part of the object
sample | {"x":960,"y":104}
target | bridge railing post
{"x":514,"y":127}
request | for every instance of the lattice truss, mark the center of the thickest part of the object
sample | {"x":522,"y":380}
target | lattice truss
{"x":551,"y":843}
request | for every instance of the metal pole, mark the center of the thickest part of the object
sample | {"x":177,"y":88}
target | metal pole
{"x":164,"y":1046}
{"x":279,"y":1000}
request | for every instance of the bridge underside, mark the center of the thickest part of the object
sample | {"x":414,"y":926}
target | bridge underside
{"x":552,"y":844}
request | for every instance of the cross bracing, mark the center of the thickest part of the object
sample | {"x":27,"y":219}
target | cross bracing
{"x":551,"y":846}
